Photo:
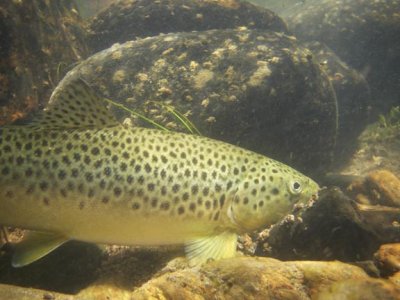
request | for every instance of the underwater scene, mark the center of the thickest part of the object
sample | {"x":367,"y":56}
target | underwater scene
{"x":200,"y":149}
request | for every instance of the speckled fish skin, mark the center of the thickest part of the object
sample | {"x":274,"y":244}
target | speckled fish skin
{"x":135,"y":186}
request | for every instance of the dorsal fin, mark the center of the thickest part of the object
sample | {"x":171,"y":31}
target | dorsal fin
{"x":75,"y":106}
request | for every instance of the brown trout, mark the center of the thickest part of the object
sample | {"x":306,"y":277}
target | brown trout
{"x":76,"y":173}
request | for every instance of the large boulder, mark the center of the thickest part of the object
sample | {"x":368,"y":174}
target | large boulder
{"x":254,"y":88}
{"x":363,"y":33}
{"x":39,"y":40}
{"x":131,"y":19}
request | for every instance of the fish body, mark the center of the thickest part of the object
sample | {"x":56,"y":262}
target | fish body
{"x":78,"y":174}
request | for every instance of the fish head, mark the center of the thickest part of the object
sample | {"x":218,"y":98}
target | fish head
{"x":259,"y":203}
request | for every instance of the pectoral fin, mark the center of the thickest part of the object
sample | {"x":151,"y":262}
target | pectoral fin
{"x":35,"y":245}
{"x":215,"y":247}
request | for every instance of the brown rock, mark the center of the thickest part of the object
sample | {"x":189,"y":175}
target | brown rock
{"x":128,"y":20}
{"x":388,"y":258}
{"x":20,"y":293}
{"x":39,"y":40}
{"x":364,"y":289}
{"x":387,"y":187}
{"x":379,"y":187}
{"x":249,"y":278}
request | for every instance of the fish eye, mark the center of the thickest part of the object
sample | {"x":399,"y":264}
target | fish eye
{"x":295,"y":187}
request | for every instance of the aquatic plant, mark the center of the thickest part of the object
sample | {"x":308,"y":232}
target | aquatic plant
{"x":392,"y":119}
{"x":181,"y":118}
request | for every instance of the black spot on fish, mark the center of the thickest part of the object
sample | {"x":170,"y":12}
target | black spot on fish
{"x":123,"y":167}
{"x":141,"y":180}
{"x":185,"y":196}
{"x":163,"y":190}
{"x":43,"y":185}
{"x":216,"y":216}
{"x":138,"y":168}
{"x":150,"y":187}
{"x":117,"y":191}
{"x":222,"y":200}
{"x":76,"y":156}
{"x":147,"y":168}
{"x":164,"y":205}
{"x":176,"y":187}
{"x":66,"y":160}
{"x":245,"y":200}
{"x":181,"y":210}
{"x":195,"y":189}
{"x":103,"y":184}
{"x":87,"y":160}
{"x":98,"y":164}
{"x":275,"y":191}
{"x":38,"y":153}
{"x":89,"y":177}
{"x":62,"y":174}
{"x":46,"y":201}
{"x":254,"y":192}
{"x":84,"y":147}
{"x":95,"y":151}
{"x":125,"y":155}
{"x":163,"y":174}
{"x":274,"y":171}
{"x":135,"y":206}
{"x":261,"y":203}
{"x":114,"y":158}
{"x":107,"y":171}
{"x":129,"y":179}
{"x":192,"y":207}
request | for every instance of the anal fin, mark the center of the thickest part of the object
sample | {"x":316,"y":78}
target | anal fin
{"x":34,"y":246}
{"x":215,"y":247}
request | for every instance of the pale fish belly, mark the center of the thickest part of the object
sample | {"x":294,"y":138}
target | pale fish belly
{"x":115,"y":223}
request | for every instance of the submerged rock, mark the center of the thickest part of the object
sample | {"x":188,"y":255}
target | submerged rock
{"x":379,"y":187}
{"x":39,"y":40}
{"x":370,"y":289}
{"x":258,"y":89}
{"x":388,"y":259}
{"x":363,"y":33}
{"x":353,"y":99}
{"x":333,"y":228}
{"x":248,"y":278}
{"x":131,"y":19}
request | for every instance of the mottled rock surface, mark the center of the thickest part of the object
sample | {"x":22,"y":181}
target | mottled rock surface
{"x":333,"y":228}
{"x":363,"y":33}
{"x":131,"y":19}
{"x":353,"y":99}
{"x":388,"y":258}
{"x":39,"y":40}
{"x":257,"y":89}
